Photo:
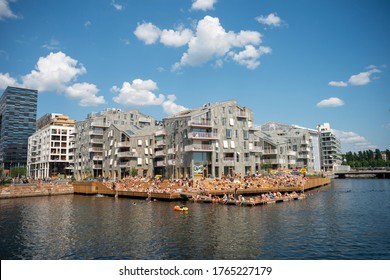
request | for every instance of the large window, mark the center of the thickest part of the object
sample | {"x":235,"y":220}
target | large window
{"x":228,"y":133}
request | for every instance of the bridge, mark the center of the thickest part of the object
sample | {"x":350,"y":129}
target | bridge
{"x":363,"y":173}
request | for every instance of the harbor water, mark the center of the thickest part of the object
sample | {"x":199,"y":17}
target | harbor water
{"x":348,"y":219}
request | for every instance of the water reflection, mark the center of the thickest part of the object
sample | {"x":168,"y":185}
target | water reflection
{"x":346,"y":220}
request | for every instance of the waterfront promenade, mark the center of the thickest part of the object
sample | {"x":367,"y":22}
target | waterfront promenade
{"x":171,"y":189}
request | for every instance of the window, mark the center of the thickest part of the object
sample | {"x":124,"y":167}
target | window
{"x":228,"y":133}
{"x":223,"y":121}
{"x":246,"y":134}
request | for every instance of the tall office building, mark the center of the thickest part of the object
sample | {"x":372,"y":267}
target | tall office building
{"x":330,"y":148}
{"x":18,"y":110}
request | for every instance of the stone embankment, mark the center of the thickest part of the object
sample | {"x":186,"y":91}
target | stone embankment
{"x":35,"y":190}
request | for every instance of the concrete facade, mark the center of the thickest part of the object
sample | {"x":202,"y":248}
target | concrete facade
{"x":297,"y":147}
{"x":212,"y":141}
{"x":90,"y":138}
{"x":50,"y":149}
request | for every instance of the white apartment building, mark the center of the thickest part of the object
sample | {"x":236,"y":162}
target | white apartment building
{"x":50,"y":148}
{"x":330,"y":148}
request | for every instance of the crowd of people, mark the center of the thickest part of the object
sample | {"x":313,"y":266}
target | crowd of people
{"x":203,"y":185}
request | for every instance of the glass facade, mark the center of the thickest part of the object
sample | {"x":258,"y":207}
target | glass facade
{"x":18,"y":110}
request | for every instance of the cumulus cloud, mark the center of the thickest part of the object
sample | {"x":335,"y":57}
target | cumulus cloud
{"x":351,"y":141}
{"x":176,"y":38}
{"x":361,"y":79}
{"x":53,"y":72}
{"x":271,"y":20}
{"x":203,"y":5}
{"x":57,"y":72}
{"x":6,"y":80}
{"x":331,"y":102}
{"x":250,"y":56}
{"x":85,"y":93}
{"x":142,"y":93}
{"x":338,"y":84}
{"x":211,"y":41}
{"x":147,"y":32}
{"x":170,"y":107}
{"x":5,"y":10}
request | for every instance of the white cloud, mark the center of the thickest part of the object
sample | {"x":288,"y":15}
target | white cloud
{"x":175,"y":38}
{"x":5,"y":10}
{"x":139,"y":92}
{"x":142,"y":93}
{"x":117,"y":6}
{"x":170,"y":107}
{"x":53,"y":72}
{"x":6,"y":80}
{"x":338,"y":84}
{"x":352,"y":141}
{"x":213,"y":42}
{"x":85,"y":93}
{"x":250,"y":56}
{"x":147,"y":32}
{"x":331,"y":102}
{"x":56,"y":73}
{"x":209,"y":41}
{"x":271,"y":20}
{"x":203,"y":5}
{"x":362,"y":78}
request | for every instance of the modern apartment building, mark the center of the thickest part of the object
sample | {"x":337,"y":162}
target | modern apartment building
{"x":330,"y":148}
{"x":211,"y":141}
{"x":18,"y":109}
{"x":90,"y":137}
{"x":297,"y":147}
{"x":50,"y":148}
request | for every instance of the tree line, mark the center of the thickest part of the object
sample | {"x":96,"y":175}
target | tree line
{"x":366,"y":159}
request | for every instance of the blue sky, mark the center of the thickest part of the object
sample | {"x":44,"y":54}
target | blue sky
{"x":297,"y":62}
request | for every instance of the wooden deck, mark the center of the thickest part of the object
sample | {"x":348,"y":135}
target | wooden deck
{"x":249,"y":203}
{"x":93,"y":188}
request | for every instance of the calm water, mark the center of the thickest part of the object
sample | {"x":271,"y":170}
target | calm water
{"x":350,"y":219}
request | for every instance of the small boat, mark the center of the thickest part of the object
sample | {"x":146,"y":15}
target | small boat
{"x":180,"y":208}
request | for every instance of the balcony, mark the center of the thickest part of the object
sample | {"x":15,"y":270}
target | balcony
{"x":95,"y":149}
{"x":203,"y":135}
{"x":256,"y":150}
{"x":304,"y":142}
{"x":171,"y":151}
{"x":124,"y":164}
{"x":160,"y":132}
{"x":242,"y":114}
{"x":127,"y":154}
{"x":97,"y":166}
{"x":160,"y":143}
{"x":96,"y":132}
{"x":198,"y":148}
{"x":99,"y":124}
{"x":124,"y":145}
{"x":160,"y":153}
{"x":292,"y":153}
{"x":228,"y":160}
{"x":270,"y":152}
{"x":160,"y":163}
{"x":303,"y":156}
{"x":202,"y":123}
{"x":171,"y":162}
{"x":97,"y":141}
{"x":97,"y":158}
